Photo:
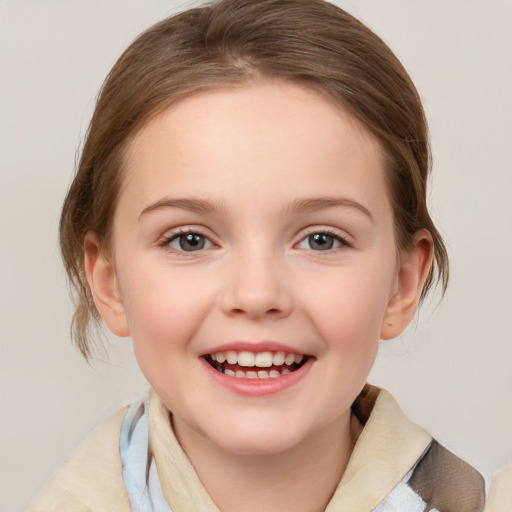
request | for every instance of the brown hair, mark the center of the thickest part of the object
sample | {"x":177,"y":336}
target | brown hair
{"x":231,"y":42}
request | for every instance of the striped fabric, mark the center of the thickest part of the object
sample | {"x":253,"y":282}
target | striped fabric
{"x":439,"y":482}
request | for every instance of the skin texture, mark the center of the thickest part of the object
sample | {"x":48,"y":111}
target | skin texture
{"x":261,"y":168}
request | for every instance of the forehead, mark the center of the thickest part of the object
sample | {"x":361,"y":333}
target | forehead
{"x":273,"y":135}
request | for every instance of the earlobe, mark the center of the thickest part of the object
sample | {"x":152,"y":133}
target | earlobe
{"x":101,"y":277}
{"x":414,"y":268}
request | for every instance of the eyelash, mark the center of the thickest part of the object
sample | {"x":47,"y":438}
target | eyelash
{"x":337,"y":237}
{"x":182,"y":232}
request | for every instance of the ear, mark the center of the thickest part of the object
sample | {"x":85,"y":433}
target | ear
{"x":101,"y":276}
{"x":414,"y":268}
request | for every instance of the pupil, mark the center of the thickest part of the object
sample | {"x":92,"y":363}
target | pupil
{"x":321,"y":241}
{"x":191,"y":242}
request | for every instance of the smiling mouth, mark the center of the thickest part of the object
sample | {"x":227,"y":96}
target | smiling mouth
{"x":259,"y":365}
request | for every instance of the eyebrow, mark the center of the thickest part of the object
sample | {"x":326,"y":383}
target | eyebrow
{"x":190,"y":204}
{"x":299,"y":206}
{"x":309,"y":205}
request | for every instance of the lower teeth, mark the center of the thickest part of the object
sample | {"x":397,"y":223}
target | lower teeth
{"x":262,"y":374}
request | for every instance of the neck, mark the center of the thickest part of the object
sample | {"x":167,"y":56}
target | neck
{"x":301,"y":478}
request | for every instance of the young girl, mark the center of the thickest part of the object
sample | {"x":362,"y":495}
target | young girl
{"x":250,"y":208}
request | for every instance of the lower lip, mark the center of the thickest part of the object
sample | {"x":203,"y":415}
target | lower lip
{"x":258,"y":387}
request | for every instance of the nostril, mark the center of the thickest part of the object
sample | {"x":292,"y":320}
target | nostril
{"x":251,"y":312}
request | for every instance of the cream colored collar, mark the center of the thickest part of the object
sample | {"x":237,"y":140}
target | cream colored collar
{"x":387,"y":449}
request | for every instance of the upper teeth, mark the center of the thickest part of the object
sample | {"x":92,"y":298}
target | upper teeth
{"x":259,"y":359}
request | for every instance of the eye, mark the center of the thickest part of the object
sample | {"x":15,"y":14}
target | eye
{"x":189,"y":242}
{"x":321,"y":242}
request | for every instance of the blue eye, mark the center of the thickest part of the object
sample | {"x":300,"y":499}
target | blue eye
{"x":321,"y":242}
{"x":189,"y":242}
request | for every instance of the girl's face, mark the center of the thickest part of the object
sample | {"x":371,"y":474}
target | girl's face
{"x":254,"y":225}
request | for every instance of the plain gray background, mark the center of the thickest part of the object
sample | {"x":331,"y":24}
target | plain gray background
{"x":451,"y":372}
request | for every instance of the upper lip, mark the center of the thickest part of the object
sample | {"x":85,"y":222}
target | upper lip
{"x":250,"y":346}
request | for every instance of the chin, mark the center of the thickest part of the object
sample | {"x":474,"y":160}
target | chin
{"x":259,"y":441}
{"x":259,"y":448}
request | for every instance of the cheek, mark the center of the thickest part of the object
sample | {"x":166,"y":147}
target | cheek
{"x":361,"y":293}
{"x":348,"y":308}
{"x":163,"y":310}
{"x":163,"y":323}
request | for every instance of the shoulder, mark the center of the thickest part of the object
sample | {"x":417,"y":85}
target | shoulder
{"x":447,"y":483}
{"x":90,"y":479}
{"x":414,"y":471}
{"x":500,"y":495}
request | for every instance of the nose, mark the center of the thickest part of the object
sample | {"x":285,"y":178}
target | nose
{"x":257,"y":287}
